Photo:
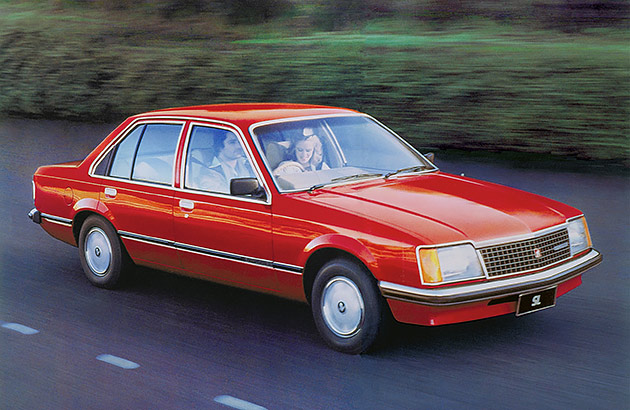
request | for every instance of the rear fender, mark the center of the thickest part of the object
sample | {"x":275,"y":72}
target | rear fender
{"x":84,"y":208}
{"x":94,"y":205}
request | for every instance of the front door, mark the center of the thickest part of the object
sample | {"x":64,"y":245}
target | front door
{"x":222,"y":237}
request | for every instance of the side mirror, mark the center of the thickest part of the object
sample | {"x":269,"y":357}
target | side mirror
{"x":430,"y":156}
{"x":247,"y":187}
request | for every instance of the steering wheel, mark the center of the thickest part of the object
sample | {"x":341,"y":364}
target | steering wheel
{"x":289,"y":167}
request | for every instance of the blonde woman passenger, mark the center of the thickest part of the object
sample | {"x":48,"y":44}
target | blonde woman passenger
{"x":300,"y":155}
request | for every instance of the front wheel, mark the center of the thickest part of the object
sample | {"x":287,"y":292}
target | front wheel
{"x":348,"y":309}
{"x":102,"y":256}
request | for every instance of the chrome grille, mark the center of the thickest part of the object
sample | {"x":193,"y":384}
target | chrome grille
{"x":527,"y":255}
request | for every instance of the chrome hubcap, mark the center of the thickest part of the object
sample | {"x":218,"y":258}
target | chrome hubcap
{"x":98,"y":251}
{"x":342,"y":307}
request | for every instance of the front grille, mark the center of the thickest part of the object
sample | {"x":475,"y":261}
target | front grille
{"x":527,"y":255}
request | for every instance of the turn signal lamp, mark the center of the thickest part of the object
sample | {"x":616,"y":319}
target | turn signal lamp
{"x":430,"y":266}
{"x":579,"y":237}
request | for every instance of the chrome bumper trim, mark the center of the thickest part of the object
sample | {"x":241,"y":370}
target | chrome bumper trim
{"x":35,"y":216}
{"x":456,"y":295}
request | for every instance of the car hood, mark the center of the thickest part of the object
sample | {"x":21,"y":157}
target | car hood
{"x":446,"y":208}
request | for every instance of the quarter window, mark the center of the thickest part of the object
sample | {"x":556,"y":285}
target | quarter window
{"x":103,"y":166}
{"x":126,"y":150}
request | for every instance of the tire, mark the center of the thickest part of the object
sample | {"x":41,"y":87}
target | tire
{"x":348,"y":309}
{"x":103,"y":258}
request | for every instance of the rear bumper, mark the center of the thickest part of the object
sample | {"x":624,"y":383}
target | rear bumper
{"x":55,"y":226}
{"x":497,"y":289}
{"x":35,"y":216}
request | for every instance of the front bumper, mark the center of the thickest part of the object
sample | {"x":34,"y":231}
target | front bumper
{"x":496,"y":289}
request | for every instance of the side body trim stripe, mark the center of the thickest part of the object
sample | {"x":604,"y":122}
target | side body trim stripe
{"x":212,"y":252}
{"x":57,"y":219}
{"x":148,"y":239}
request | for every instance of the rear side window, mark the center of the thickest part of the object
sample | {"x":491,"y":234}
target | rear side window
{"x":147,"y":154}
{"x":156,"y":154}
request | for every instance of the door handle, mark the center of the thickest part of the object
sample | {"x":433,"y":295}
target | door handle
{"x":110,"y":192}
{"x":186,"y":205}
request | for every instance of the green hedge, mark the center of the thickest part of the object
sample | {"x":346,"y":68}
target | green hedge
{"x":541,"y":92}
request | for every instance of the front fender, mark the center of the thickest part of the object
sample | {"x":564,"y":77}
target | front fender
{"x":342,"y":243}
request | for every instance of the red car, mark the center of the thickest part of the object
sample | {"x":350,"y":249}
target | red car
{"x":318,"y":204}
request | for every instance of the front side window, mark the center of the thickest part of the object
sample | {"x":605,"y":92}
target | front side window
{"x":214,"y":157}
{"x":146,"y":154}
{"x":307,"y":154}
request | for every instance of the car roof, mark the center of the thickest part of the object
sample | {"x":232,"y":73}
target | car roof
{"x":249,"y":113}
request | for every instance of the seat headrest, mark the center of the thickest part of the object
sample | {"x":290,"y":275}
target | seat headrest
{"x":275,"y":153}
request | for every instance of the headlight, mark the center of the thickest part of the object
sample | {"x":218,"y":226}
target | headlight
{"x":449,"y":264}
{"x":579,"y":238}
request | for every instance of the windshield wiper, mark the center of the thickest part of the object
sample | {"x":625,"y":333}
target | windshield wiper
{"x":415,"y":168}
{"x":357,"y":176}
{"x":345,"y":178}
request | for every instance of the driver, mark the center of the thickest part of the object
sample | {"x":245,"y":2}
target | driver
{"x":306,"y":154}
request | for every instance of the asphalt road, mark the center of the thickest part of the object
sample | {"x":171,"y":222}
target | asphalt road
{"x":165,"y":341}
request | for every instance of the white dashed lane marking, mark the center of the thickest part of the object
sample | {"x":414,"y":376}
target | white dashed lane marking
{"x":237,"y":403}
{"x":118,"y":361}
{"x":25,"y":330}
{"x":226,"y":400}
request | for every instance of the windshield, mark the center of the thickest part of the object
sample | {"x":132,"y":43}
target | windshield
{"x":311,"y":153}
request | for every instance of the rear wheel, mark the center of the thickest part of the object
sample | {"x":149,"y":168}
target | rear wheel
{"x":348,"y":309}
{"x":102,"y":256}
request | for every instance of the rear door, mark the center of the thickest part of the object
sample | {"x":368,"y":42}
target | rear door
{"x":138,"y":191}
